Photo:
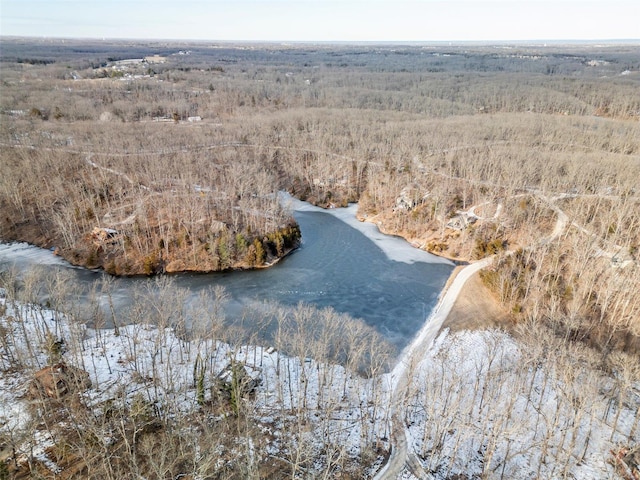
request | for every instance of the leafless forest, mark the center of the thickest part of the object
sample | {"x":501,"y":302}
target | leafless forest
{"x":153,"y":158}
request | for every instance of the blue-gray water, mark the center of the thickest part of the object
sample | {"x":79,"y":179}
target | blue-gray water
{"x":336,"y":266}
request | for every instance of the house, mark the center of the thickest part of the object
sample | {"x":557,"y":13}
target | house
{"x":104,"y":235}
{"x":461,"y":220}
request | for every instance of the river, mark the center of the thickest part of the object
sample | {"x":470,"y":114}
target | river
{"x":341,"y":263}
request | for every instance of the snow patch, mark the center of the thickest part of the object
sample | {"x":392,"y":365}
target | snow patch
{"x":395,"y":248}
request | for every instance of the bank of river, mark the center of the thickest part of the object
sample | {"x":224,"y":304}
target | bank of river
{"x":341,"y":263}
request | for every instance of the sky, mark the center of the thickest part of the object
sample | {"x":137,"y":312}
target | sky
{"x":324,"y":20}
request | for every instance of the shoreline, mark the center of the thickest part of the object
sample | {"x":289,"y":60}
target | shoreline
{"x":417,"y":243}
{"x":64,"y":261}
{"x":434,"y":322}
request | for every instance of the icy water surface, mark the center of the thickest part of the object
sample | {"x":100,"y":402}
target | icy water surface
{"x":341,"y":263}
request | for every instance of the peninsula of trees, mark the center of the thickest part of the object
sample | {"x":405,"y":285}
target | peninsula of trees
{"x":163,"y":158}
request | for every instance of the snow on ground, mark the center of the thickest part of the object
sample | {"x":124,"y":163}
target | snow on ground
{"x":476,"y":403}
{"x":395,"y":248}
{"x":13,"y":413}
{"x":156,"y":365}
{"x":433,"y":324}
{"x":481,"y":407}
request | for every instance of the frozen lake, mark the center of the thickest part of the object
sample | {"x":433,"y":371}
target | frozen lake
{"x":341,"y":263}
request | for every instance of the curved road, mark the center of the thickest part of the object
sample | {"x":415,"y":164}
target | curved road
{"x":410,"y":357}
{"x":401,"y":457}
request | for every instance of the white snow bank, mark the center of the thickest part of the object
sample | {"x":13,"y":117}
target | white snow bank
{"x":395,"y":248}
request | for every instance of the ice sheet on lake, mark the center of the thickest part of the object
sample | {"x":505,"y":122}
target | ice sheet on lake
{"x":395,"y":248}
{"x":22,"y":253}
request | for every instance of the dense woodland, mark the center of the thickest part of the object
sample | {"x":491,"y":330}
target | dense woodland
{"x":530,"y":153}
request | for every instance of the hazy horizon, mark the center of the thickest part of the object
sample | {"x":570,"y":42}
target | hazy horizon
{"x":506,"y":43}
{"x":325,"y":21}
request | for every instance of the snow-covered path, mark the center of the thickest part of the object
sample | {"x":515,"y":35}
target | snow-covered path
{"x":401,"y":458}
{"x":434,"y":323}
{"x":411,"y":356}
